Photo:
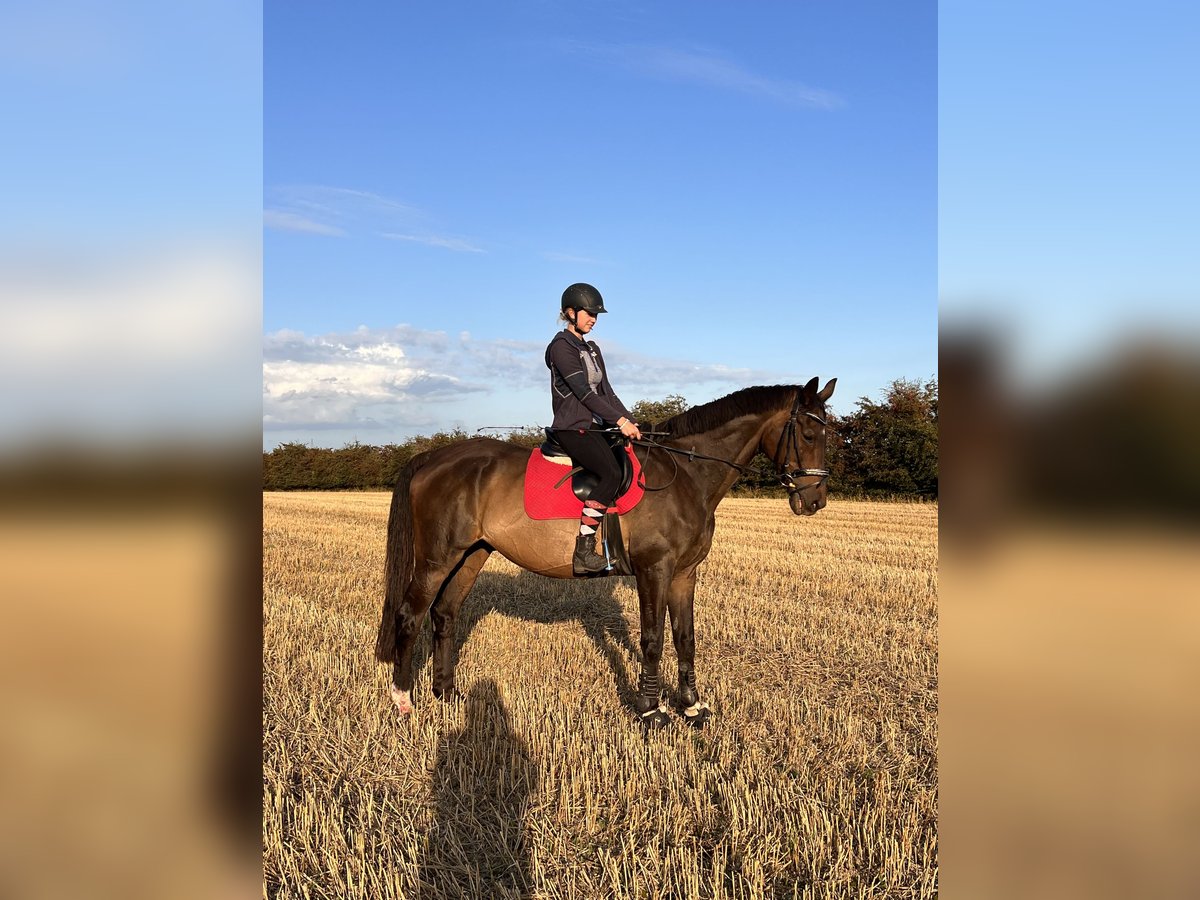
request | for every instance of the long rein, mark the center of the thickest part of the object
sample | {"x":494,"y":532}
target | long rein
{"x":786,"y":478}
{"x":692,"y":455}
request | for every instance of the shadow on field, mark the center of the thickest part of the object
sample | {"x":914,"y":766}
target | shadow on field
{"x":550,"y":601}
{"x":483,"y":780}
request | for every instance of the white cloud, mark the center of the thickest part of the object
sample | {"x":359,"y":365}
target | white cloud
{"x":358,"y":387}
{"x":394,"y":379}
{"x":149,"y":342}
{"x":283,"y":220}
{"x":364,"y":379}
{"x":338,"y":202}
{"x":366,"y":199}
{"x":707,"y":67}
{"x":341,"y":212}
{"x":434,"y":240}
{"x":181,"y":305}
{"x":336,"y":211}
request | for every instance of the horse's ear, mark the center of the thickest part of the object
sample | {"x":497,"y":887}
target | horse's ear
{"x":811,"y":386}
{"x":827,"y":391}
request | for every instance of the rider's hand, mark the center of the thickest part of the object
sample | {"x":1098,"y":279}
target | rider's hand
{"x":630,"y":430}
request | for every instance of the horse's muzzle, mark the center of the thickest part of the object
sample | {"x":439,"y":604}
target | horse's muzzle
{"x":803,"y":505}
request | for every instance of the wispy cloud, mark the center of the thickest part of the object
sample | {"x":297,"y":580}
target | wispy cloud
{"x":348,"y":212}
{"x":709,"y":68}
{"x":282,"y":220}
{"x":338,"y":202}
{"x":367,"y":199}
{"x":434,"y":240}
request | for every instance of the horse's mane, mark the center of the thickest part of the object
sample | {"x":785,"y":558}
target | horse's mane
{"x":747,"y":401}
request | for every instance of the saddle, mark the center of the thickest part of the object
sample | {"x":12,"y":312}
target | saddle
{"x":547,"y":495}
{"x":556,"y":489}
{"x":584,"y":482}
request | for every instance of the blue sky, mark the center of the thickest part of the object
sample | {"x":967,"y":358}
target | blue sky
{"x":753,"y":189}
{"x":136,"y":119}
{"x":1069,"y":207}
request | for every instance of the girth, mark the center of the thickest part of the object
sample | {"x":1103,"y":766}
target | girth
{"x":583,"y":482}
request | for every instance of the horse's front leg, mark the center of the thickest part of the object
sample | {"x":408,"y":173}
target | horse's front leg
{"x":652,"y":593}
{"x":680,"y":599}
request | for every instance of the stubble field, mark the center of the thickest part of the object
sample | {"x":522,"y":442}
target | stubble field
{"x":816,"y":647}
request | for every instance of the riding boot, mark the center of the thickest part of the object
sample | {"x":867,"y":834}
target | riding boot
{"x":586,"y":560}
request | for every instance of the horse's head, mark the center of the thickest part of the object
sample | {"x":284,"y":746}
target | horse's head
{"x":796,"y":444}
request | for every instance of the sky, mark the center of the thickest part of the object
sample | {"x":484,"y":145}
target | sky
{"x":755,"y":189}
{"x":1068,"y":204}
{"x":131,"y":223}
{"x":752,"y":189}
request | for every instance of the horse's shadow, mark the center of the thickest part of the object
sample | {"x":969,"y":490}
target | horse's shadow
{"x":535,"y":598}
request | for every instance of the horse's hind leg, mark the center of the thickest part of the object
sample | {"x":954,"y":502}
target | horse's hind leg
{"x":426,"y":584}
{"x":444,"y":614}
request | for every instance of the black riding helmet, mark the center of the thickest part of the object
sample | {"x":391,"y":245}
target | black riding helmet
{"x":583,"y":296}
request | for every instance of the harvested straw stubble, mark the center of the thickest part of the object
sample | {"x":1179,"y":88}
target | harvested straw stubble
{"x":817,"y":777}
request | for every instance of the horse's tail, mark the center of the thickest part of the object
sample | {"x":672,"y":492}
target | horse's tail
{"x":398,"y":569}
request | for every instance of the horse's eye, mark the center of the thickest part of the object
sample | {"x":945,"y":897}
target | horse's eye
{"x":809,"y":435}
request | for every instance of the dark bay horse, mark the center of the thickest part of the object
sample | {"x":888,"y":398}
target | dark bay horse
{"x":454,"y":506}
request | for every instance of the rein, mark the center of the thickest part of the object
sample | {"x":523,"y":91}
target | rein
{"x":788,"y":440}
{"x":692,"y":456}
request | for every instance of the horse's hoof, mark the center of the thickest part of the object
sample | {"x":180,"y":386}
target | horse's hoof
{"x":697,"y":714}
{"x":654,"y":719}
{"x":451,"y":695}
{"x":403,"y":701}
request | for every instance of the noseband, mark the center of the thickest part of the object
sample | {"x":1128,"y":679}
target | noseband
{"x":789,"y":441}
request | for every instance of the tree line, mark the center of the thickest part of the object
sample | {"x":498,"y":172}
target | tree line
{"x":882,"y":449}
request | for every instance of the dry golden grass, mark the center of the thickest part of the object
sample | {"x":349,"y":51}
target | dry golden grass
{"x":816,"y":646}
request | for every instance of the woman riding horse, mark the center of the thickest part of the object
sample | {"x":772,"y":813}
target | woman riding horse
{"x":454,"y":506}
{"x":582,"y":398}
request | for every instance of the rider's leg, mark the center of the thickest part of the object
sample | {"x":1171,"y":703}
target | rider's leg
{"x":591,"y":451}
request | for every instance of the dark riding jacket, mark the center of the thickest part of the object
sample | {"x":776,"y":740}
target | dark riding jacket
{"x":579,"y":400}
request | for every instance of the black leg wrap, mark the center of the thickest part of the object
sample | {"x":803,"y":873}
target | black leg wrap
{"x":695,"y":713}
{"x":649,"y":692}
{"x":687,"y":687}
{"x":648,"y":702}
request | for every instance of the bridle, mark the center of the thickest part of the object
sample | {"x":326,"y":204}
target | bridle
{"x":789,"y":440}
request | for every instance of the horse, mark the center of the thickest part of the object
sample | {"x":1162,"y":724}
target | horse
{"x":454,"y":506}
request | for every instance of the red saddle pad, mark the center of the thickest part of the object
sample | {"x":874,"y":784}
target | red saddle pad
{"x":544,"y":501}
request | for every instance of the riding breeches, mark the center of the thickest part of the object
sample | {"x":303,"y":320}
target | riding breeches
{"x":591,"y":450}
